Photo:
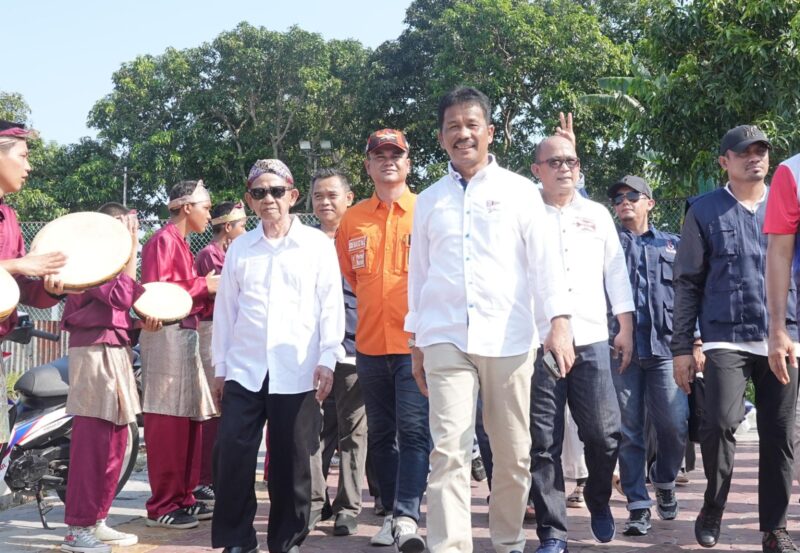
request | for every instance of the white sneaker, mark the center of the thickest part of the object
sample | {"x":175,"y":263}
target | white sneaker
{"x":384,"y":535}
{"x":81,"y":539}
{"x":406,"y":536}
{"x":108,"y":535}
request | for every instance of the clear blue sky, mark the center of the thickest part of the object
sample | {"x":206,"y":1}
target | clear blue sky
{"x":64,"y":52}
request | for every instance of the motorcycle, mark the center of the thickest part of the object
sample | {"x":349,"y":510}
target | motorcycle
{"x":36,"y":458}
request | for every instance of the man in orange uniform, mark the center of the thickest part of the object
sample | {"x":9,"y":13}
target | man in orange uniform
{"x":373,"y":243}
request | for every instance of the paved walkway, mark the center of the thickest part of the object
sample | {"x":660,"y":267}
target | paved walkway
{"x":20,"y":530}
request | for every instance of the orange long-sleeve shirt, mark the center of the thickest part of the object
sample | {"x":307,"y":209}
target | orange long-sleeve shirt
{"x":373,"y":242}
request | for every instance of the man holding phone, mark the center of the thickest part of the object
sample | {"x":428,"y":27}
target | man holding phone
{"x":594,"y":267}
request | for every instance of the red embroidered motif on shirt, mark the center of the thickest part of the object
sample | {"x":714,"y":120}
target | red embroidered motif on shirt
{"x":585,"y":224}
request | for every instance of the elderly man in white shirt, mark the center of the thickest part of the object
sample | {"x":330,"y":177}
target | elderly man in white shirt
{"x":593,"y":266}
{"x":479,"y":248}
{"x":278,"y":329}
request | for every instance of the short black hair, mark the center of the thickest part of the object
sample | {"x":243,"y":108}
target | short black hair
{"x":464,"y":95}
{"x":115,"y":209}
{"x":330,"y":172}
{"x":183,"y":188}
{"x":222,"y":208}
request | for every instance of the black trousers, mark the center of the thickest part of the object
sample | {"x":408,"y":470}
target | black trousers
{"x":726,"y":375}
{"x":294,"y":426}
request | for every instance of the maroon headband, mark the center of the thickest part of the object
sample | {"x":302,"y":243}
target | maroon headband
{"x":15,"y":132}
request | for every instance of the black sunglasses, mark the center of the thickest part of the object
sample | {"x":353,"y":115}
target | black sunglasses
{"x":557,"y":162}
{"x":261,"y":192}
{"x":632,"y":196}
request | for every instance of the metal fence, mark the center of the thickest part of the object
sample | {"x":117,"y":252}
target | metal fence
{"x":666,"y":215}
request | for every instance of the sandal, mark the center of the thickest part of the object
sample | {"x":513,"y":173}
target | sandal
{"x":575,"y":499}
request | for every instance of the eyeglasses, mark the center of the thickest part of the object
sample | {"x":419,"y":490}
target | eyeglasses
{"x":632,"y":196}
{"x":261,"y":192}
{"x":557,"y":162}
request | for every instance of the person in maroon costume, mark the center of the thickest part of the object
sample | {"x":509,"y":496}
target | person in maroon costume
{"x":102,"y":399}
{"x":227,"y":222}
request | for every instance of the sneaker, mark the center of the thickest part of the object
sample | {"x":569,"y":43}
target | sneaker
{"x":638,"y":522}
{"x":682,"y":479}
{"x":82,"y":540}
{"x":552,"y":546}
{"x":575,"y":499}
{"x":666,"y":504}
{"x":200,"y":511}
{"x":706,"y":527}
{"x":384,"y":535}
{"x":478,"y":469}
{"x":777,"y":541}
{"x":406,"y":536}
{"x":345,"y":525}
{"x":602,"y":525}
{"x":178,"y":518}
{"x":205,"y":494}
{"x":108,"y":535}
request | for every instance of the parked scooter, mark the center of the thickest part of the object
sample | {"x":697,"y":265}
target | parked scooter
{"x":36,"y":459}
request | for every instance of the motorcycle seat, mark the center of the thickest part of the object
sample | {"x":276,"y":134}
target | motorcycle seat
{"x":49,"y":380}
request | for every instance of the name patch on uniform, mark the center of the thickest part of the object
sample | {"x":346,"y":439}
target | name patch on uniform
{"x":358,"y":260}
{"x":357,"y":243}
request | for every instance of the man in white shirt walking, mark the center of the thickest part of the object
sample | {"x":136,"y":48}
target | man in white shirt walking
{"x":593,"y":267}
{"x":278,"y":329}
{"x":479,"y":249}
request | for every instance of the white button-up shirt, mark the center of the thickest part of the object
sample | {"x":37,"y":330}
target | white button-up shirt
{"x":476,"y":257}
{"x":594,"y":266}
{"x":279,"y":309}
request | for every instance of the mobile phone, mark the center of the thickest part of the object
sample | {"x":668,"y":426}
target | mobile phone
{"x":551,"y":365}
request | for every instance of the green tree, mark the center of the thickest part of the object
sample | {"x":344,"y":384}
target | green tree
{"x":13,"y":107}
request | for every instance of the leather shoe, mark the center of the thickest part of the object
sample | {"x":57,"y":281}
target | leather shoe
{"x":241,"y":549}
{"x":345,"y":525}
{"x":706,"y":527}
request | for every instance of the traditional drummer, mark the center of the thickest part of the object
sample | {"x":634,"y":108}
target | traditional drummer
{"x":102,"y":398}
{"x":227,"y":223}
{"x":177,"y":397}
{"x":14,"y":169}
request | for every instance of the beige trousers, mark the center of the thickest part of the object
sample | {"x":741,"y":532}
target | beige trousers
{"x":454,"y":379}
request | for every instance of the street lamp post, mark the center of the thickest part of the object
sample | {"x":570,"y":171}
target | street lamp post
{"x":313,"y":154}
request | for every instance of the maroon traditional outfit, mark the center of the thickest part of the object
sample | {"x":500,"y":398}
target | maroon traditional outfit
{"x":102,"y":398}
{"x":31,"y":290}
{"x":176,"y":392}
{"x":208,"y":259}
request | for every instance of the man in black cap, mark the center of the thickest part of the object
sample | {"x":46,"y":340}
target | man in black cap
{"x":720,"y":283}
{"x":647,"y":382}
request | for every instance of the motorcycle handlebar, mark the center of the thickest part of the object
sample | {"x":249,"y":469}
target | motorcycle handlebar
{"x":45,"y":335}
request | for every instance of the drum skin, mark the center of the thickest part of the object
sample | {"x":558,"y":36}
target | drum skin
{"x":97,"y":247}
{"x":9,"y":294}
{"x":165,"y":301}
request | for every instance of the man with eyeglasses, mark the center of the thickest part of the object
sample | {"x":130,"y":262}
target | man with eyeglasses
{"x":720,"y":282}
{"x":593,"y":266}
{"x":646,"y":385}
{"x":278,"y":329}
{"x":373,"y":243}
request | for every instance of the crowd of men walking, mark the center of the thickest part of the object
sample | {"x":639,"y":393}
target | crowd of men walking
{"x":483,"y":304}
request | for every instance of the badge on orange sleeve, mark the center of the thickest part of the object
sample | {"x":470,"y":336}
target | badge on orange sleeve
{"x":357,"y":243}
{"x":358,"y":260}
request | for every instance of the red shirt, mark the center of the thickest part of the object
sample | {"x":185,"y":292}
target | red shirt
{"x":101,"y":315}
{"x":209,"y":259}
{"x":12,"y":246}
{"x":783,"y":206}
{"x":166,"y":258}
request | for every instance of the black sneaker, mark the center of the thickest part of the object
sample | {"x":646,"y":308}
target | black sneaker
{"x":777,"y":541}
{"x":200,"y":511}
{"x":666,"y":504}
{"x":638,"y":522}
{"x":205,"y":494}
{"x":178,"y":518}
{"x":478,"y":469}
{"x":706,"y":527}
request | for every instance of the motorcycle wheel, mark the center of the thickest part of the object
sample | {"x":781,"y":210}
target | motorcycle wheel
{"x":128,"y":462}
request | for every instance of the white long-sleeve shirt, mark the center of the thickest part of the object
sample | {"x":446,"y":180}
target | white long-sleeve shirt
{"x":279,"y":309}
{"x":593,"y":266}
{"x":476,"y":256}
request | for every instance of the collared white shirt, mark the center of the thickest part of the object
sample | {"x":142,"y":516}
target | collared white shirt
{"x":593,"y":266}
{"x":476,"y":255}
{"x":279,"y":309}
